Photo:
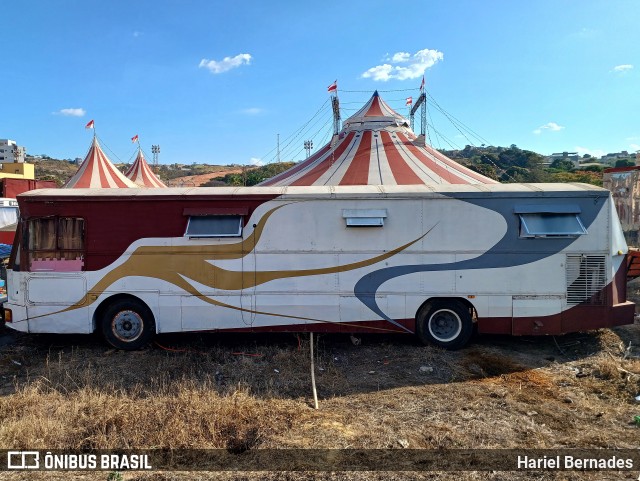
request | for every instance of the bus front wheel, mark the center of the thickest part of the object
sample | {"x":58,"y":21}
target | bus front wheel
{"x":127,"y":324}
{"x":445,"y":323}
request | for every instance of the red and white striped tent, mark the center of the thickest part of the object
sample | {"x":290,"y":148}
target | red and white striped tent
{"x":377,"y":147}
{"x":97,"y":171}
{"x":140,"y":173}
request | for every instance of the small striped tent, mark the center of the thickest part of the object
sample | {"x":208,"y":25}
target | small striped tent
{"x":140,"y":173}
{"x":377,"y":147}
{"x":97,"y":171}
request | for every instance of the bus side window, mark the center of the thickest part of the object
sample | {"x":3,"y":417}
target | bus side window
{"x":56,"y":244}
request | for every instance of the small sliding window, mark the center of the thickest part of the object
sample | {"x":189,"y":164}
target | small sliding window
{"x":214,"y":226}
{"x":364,"y":217}
{"x":550,"y":221}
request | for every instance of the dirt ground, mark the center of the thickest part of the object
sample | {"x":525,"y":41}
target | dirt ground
{"x":198,"y":180}
{"x":250,"y":392}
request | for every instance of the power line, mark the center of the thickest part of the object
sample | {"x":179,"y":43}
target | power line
{"x":450,"y":117}
{"x":378,"y":90}
{"x":284,"y":150}
{"x":301,"y":128}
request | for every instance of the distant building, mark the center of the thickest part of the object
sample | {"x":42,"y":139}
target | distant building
{"x":12,"y":164}
{"x":615,"y":156}
{"x":17,"y":171}
{"x":570,"y":156}
{"x":10,"y":152}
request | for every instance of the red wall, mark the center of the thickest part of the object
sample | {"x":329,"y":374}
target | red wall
{"x":113,"y":224}
{"x":12,"y":187}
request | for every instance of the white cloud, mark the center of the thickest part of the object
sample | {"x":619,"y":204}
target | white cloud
{"x":552,"y":126}
{"x":252,"y":111}
{"x":634,"y":147}
{"x":71,"y":112}
{"x":226,"y":64}
{"x":400,"y":57}
{"x":256,"y":161}
{"x":381,"y":72}
{"x":413,"y":66}
{"x":623,"y":68}
{"x":592,"y":152}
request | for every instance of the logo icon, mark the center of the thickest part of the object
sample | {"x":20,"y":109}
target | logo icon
{"x":23,"y":460}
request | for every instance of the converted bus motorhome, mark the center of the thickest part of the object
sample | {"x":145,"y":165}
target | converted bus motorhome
{"x":435,"y":261}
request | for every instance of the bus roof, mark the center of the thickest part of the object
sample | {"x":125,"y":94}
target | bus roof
{"x":404,"y":191}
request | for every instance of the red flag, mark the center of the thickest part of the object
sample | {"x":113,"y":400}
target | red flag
{"x":134,"y":138}
{"x":89,"y":125}
{"x":422,"y":84}
{"x":333,"y":87}
{"x":409,"y":101}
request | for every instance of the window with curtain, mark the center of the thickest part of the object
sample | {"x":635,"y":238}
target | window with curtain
{"x":54,"y":240}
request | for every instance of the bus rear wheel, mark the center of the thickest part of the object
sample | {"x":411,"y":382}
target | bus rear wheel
{"x":127,"y":324}
{"x":445,"y":323}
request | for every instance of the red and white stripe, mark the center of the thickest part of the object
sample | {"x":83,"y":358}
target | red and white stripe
{"x":140,"y":173}
{"x":377,"y":147}
{"x":97,"y":171}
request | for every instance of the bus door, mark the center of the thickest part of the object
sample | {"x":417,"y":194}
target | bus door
{"x":55,"y":254}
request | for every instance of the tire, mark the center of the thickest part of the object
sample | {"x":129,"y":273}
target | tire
{"x":445,"y":323}
{"x":128,"y":324}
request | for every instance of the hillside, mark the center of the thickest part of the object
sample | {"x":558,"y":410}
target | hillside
{"x":174,"y":175}
{"x":512,"y":164}
{"x":505,"y":164}
{"x":53,"y":169}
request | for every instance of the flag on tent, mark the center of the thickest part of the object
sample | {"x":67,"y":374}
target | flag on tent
{"x":422,"y":85}
{"x":333,"y":87}
{"x":134,"y":138}
{"x":89,"y":125}
{"x":409,"y":101}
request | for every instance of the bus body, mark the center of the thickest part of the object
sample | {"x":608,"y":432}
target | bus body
{"x":8,"y":220}
{"x":438,"y":261}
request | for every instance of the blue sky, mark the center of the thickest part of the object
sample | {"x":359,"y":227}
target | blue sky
{"x":546,"y":75}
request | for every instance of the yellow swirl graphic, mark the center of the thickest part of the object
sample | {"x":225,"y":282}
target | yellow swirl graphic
{"x":180,"y":264}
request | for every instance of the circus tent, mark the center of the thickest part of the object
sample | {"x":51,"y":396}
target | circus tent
{"x":140,"y":173}
{"x":377,"y":147}
{"x":97,"y":171}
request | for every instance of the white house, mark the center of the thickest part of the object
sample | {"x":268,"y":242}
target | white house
{"x":10,"y":152}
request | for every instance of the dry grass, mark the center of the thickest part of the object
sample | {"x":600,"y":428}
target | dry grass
{"x":331,"y":476}
{"x":246,"y":392}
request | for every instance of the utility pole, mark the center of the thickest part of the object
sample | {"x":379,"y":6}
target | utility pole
{"x":422,"y":105}
{"x":278,"y":159}
{"x":308,"y":146}
{"x":335,"y":107}
{"x":155,"y":150}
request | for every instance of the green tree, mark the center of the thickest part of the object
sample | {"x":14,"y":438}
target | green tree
{"x":251,"y":175}
{"x":625,"y":163}
{"x":562,"y":164}
{"x":594,"y":168}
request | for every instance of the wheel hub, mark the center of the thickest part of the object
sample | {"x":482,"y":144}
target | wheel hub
{"x":127,"y":326}
{"x":445,"y":325}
